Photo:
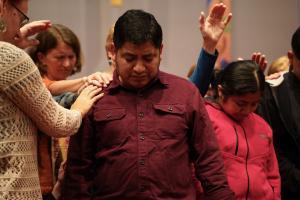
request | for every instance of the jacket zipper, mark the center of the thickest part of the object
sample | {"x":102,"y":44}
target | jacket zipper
{"x":247,"y":155}
{"x":236,"y":142}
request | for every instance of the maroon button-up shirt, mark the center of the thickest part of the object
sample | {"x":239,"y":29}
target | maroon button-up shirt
{"x":139,"y":145}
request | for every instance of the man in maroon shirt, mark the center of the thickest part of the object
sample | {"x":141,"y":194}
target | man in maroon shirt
{"x":138,"y":141}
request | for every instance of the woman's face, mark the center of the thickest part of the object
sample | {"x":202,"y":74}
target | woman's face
{"x":13,"y":15}
{"x":59,"y":61}
{"x":239,"y":107}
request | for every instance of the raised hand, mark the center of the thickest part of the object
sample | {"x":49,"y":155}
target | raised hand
{"x":260,"y":59}
{"x":23,"y":39}
{"x":213,"y":26}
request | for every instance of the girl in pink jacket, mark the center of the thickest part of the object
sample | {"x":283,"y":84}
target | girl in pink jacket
{"x":245,"y":138}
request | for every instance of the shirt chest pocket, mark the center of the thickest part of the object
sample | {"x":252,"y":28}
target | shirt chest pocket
{"x":170,"y":122}
{"x":110,"y":125}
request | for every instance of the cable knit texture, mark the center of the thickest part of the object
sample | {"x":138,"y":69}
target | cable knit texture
{"x":24,"y":104}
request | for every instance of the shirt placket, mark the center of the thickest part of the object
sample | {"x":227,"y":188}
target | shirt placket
{"x":142,"y":145}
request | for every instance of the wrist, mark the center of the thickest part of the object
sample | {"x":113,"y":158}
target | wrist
{"x":209,"y":47}
{"x":209,"y":50}
{"x":78,"y":110}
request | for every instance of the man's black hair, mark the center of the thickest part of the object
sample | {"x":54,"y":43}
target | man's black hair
{"x":137,"y":27}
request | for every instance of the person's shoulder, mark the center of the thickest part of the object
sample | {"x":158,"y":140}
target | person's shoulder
{"x":261,"y":122}
{"x":176,"y":81}
{"x":11,"y":53}
{"x":275,"y":82}
{"x":10,"y":47}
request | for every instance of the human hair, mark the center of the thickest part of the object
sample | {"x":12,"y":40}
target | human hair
{"x":110,"y":34}
{"x":239,"y":78}
{"x":49,"y":40}
{"x":296,"y":43}
{"x":137,"y":27}
{"x":280,"y":64}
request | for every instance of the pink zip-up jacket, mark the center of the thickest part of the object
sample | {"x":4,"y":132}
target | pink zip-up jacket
{"x":248,"y":153}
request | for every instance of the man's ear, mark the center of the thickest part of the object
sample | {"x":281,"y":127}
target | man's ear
{"x":160,"y":50}
{"x":113,"y":52}
{"x":109,"y":49}
{"x":290,"y":55}
{"x":220,"y":92}
{"x":3,"y":7}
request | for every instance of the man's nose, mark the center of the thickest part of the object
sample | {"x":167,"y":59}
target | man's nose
{"x":139,"y":67}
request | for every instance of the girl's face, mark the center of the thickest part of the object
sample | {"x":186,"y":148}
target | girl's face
{"x":14,"y":15}
{"x":59,"y":61}
{"x":239,"y":107}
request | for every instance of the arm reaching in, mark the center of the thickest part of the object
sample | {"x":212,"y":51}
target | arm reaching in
{"x":100,"y":79}
{"x":23,"y":40}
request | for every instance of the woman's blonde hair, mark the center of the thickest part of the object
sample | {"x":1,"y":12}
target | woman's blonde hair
{"x":280,"y":64}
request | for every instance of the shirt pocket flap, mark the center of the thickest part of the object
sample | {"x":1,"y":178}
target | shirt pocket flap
{"x":168,"y":108}
{"x":110,"y":114}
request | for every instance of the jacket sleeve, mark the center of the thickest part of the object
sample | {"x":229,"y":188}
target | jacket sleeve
{"x":22,"y":84}
{"x":79,"y":168}
{"x":203,"y":72}
{"x":209,"y":166}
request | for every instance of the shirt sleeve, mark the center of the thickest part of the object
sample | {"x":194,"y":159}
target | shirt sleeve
{"x":209,"y":166}
{"x":22,"y":84}
{"x":204,"y":69}
{"x":79,"y":171}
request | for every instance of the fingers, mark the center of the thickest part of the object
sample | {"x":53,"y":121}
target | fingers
{"x":35,"y":27}
{"x":228,"y":19}
{"x":273,"y":76}
{"x":218,"y":11}
{"x":97,"y":97}
{"x":100,"y":79}
{"x":260,"y":60}
{"x":90,"y":90}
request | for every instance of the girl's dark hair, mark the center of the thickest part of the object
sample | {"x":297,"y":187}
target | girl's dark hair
{"x":239,"y":78}
{"x":49,"y":40}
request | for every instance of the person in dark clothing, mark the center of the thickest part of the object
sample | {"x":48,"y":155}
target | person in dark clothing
{"x":281,"y":108}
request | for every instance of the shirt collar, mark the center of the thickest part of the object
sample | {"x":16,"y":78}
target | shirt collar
{"x":159,"y":79}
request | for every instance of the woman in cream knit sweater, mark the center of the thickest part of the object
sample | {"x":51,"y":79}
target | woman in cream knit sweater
{"x":25,"y":105}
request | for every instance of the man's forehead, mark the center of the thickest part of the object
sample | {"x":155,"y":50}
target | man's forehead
{"x":145,"y":48}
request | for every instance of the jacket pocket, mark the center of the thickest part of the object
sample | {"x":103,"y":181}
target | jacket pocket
{"x":170,"y":121}
{"x":110,"y":126}
{"x":110,"y":114}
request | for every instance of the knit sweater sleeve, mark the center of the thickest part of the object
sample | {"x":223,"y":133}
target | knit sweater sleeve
{"x":21,"y":82}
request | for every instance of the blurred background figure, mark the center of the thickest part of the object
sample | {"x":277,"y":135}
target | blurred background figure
{"x":281,"y":64}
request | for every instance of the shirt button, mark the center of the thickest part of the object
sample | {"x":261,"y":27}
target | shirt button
{"x":141,"y":114}
{"x":142,"y":188}
{"x":142,"y":162}
{"x":170,"y":108}
{"x":142,"y":137}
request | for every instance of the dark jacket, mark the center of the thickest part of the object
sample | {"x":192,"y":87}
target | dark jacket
{"x":281,"y":108}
